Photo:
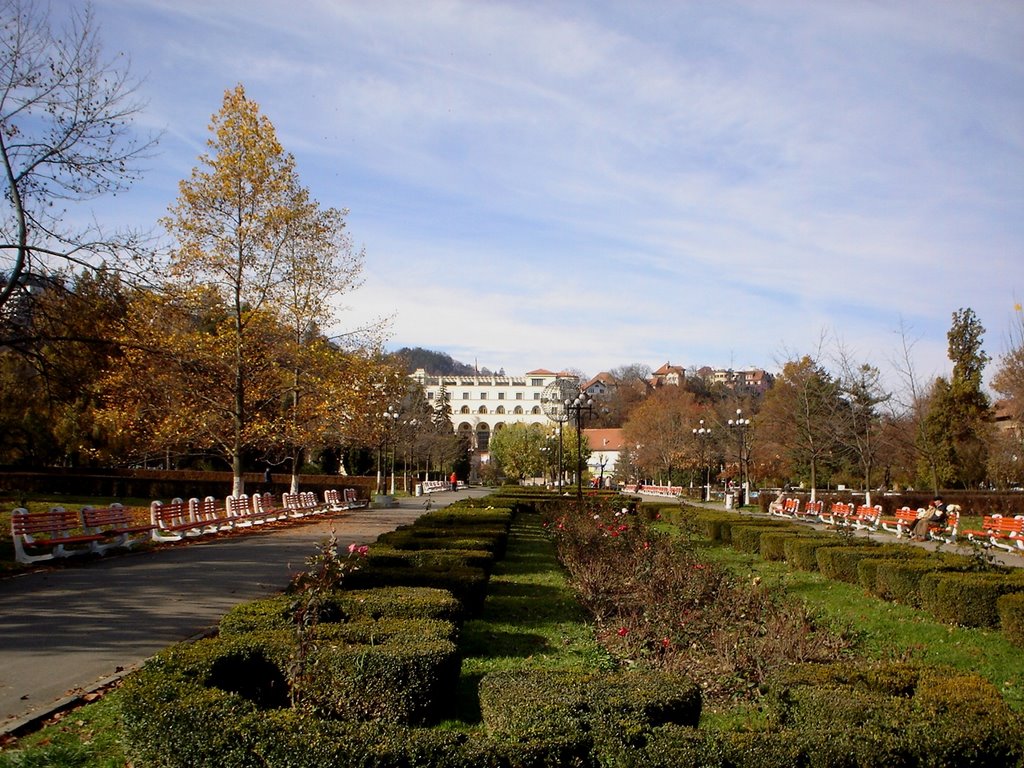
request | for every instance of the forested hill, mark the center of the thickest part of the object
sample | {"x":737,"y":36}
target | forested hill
{"x":434,"y":363}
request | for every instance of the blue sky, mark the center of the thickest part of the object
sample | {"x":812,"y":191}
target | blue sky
{"x":587,"y":185}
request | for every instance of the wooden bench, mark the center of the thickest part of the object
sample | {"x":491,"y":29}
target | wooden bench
{"x":839,"y":514}
{"x":301,"y":504}
{"x":115,"y":525}
{"x":866,"y":518}
{"x":352,"y":500}
{"x":811,"y":510}
{"x":431,"y":486}
{"x":173,"y":521}
{"x":1002,"y":532}
{"x":947,"y":530}
{"x":265,"y":510}
{"x":901,"y":522}
{"x":40,"y":536}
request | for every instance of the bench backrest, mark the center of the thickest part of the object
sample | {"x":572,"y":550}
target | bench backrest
{"x":101,"y":517}
{"x":174,"y":512}
{"x":57,"y":521}
{"x":866,"y":512}
{"x":237,"y":506}
{"x":1009,"y":525}
{"x":842,"y":509}
{"x":813,"y":507}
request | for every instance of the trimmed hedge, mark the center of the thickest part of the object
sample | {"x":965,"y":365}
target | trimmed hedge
{"x":615,"y":711}
{"x":801,"y":552}
{"x":274,"y":613}
{"x":746,"y":535}
{"x":1011,"y":617}
{"x":467,"y":584}
{"x":389,"y":557}
{"x":895,"y":714}
{"x":967,"y":599}
{"x":399,"y":678}
{"x":841,"y":563}
{"x":773,"y":542}
{"x":898,"y":579}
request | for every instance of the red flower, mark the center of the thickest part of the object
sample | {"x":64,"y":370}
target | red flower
{"x":698,"y":566}
{"x":665,"y":642}
{"x":623,"y":631}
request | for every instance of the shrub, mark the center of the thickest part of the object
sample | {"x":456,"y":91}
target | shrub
{"x":897,"y":579}
{"x":274,"y":613}
{"x":841,"y":563}
{"x":967,"y":599}
{"x":1011,"y":617}
{"x":746,"y":536}
{"x":773,"y":542}
{"x":616,"y":709}
{"x":468,"y":585}
{"x":388,"y":557}
{"x":801,"y":551}
{"x":895,"y":714}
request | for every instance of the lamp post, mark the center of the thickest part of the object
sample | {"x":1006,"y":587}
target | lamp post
{"x":703,"y":435}
{"x":577,"y":407}
{"x":389,"y":417}
{"x":741,"y":426}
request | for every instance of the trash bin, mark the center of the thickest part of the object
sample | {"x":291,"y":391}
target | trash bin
{"x":419,"y":489}
{"x":729,"y":498}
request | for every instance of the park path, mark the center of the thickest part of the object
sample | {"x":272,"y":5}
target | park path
{"x":69,"y":630}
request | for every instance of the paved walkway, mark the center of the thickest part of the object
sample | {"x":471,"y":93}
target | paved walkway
{"x":72,"y":629}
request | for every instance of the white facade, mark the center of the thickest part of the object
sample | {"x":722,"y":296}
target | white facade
{"x":480,"y":404}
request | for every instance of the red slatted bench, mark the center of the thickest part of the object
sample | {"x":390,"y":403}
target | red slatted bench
{"x":40,"y":536}
{"x":901,"y":522}
{"x":1002,"y":532}
{"x":116,"y":527}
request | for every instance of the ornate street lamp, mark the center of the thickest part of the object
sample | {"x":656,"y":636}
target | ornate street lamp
{"x":741,"y":426}
{"x":703,"y":435}
{"x":576,"y":409}
{"x":389,"y":417}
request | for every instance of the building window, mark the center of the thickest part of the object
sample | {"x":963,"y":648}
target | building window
{"x":536,"y":395}
{"x":465,"y":395}
{"x":536,"y":410}
{"x":430,"y":395}
{"x":519,"y":395}
{"x":536,"y":382}
{"x":483,"y":395}
{"x":501,"y":395}
{"x":518,"y":411}
{"x":500,"y":409}
{"x":465,"y":409}
{"x":482,"y":409}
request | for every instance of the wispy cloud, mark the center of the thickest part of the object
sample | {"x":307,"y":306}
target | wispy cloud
{"x":586,"y":185}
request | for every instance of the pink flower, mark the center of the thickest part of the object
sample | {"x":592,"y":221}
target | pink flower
{"x":647,"y":545}
{"x":698,"y":566}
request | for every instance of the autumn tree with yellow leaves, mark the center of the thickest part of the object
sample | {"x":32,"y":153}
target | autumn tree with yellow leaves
{"x":232,"y":354}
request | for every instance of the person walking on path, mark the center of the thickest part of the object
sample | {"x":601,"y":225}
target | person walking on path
{"x":454,"y":482}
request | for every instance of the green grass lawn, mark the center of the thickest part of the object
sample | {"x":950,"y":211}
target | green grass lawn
{"x":888,"y":631}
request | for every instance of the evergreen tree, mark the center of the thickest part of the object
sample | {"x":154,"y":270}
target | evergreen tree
{"x":954,"y":433}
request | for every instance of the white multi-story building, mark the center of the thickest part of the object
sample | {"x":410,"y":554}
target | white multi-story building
{"x":482,"y":403}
